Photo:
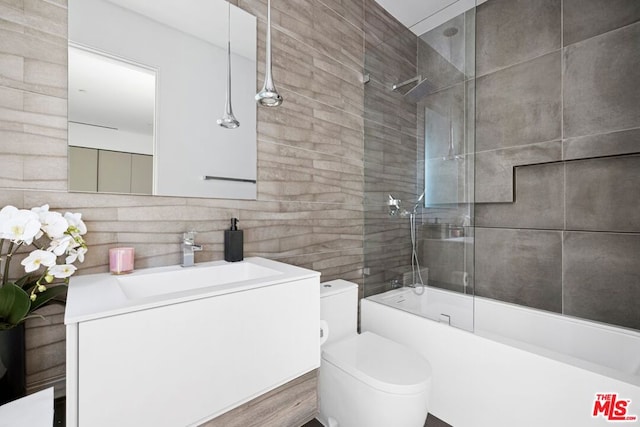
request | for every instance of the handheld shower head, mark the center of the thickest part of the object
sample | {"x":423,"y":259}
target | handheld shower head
{"x":418,"y":200}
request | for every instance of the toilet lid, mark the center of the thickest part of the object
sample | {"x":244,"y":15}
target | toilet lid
{"x":380,"y":363}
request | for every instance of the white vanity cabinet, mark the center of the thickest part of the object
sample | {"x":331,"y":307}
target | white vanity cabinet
{"x":185,"y":362}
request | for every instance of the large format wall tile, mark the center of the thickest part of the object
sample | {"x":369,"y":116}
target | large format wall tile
{"x":600,"y":83}
{"x":454,"y":43}
{"x":512,"y":31}
{"x":519,"y":105}
{"x":444,"y":112}
{"x":601,"y":145}
{"x":603,"y":194}
{"x":520,"y":266}
{"x":538,"y":204}
{"x":583,"y":19}
{"x":601,"y":277}
{"x":445,"y":260}
{"x":435,"y":68}
{"x":494,"y":169}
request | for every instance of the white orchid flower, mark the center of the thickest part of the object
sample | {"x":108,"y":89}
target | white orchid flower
{"x":6,"y":213}
{"x":38,"y":258}
{"x":54,"y":224}
{"x":76,"y":254}
{"x":62,"y":271}
{"x":21,"y":226}
{"x":41,"y":211}
{"x":60,"y":246}
{"x":75,"y":222}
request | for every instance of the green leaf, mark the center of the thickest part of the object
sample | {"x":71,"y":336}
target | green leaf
{"x":14,"y":304}
{"x":26,"y":282}
{"x":44,"y":297}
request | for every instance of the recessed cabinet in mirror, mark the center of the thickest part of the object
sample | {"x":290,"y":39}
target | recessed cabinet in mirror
{"x":146,"y":86}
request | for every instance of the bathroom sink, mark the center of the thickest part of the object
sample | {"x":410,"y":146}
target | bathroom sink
{"x":180,"y":279}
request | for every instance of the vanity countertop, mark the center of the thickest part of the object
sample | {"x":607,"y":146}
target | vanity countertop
{"x":95,"y":296}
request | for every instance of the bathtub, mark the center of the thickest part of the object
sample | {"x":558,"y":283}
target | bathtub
{"x":520,"y":367}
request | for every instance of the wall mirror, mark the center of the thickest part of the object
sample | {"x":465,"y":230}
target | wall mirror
{"x":146,"y":85}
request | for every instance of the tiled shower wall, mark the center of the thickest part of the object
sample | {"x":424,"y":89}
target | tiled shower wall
{"x":310,"y":154}
{"x":391,"y":151}
{"x":557,"y":165}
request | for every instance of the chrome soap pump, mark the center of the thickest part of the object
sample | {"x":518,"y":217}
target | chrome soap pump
{"x":233,"y":243}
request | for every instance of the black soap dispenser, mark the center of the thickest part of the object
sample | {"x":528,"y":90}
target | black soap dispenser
{"x":233,"y":243}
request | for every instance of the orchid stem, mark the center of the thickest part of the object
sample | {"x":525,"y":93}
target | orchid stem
{"x":2,"y":261}
{"x":7,"y":261}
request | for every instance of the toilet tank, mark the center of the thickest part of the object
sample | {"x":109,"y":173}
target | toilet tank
{"x":339,"y":308}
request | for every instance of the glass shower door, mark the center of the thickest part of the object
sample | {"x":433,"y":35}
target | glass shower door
{"x":419,"y":172}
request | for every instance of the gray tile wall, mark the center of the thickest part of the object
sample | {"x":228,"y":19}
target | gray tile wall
{"x":310,"y":154}
{"x":558,"y":184}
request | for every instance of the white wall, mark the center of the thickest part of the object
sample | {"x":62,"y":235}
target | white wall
{"x":190,"y":98}
{"x":478,"y":382}
{"x":81,"y":135}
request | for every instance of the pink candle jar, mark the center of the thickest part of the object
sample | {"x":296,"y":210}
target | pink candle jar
{"x":121,"y":260}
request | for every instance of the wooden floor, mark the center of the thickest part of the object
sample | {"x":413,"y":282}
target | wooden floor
{"x":59,"y":417}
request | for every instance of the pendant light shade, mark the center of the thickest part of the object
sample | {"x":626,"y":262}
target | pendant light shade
{"x":268,"y":96}
{"x":228,"y":120}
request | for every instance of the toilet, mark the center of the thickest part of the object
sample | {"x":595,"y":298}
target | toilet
{"x":365,"y":379}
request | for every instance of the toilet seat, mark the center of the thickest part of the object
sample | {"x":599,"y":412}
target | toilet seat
{"x":380,"y":363}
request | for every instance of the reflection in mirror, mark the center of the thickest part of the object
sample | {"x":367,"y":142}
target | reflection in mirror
{"x":446,"y":56}
{"x":111,"y":115}
{"x":178,"y":50}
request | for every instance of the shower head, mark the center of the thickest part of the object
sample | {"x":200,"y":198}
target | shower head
{"x":418,"y":200}
{"x":397,"y":86}
{"x":450,"y":32}
{"x":422,"y":88}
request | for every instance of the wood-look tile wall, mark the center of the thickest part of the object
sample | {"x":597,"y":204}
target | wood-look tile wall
{"x":391,"y":146}
{"x":309,"y":210}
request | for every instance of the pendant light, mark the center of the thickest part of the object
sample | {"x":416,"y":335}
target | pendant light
{"x":268,"y":96}
{"x":228,"y":120}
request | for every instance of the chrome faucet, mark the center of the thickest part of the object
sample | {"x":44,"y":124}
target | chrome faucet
{"x":188,"y":248}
